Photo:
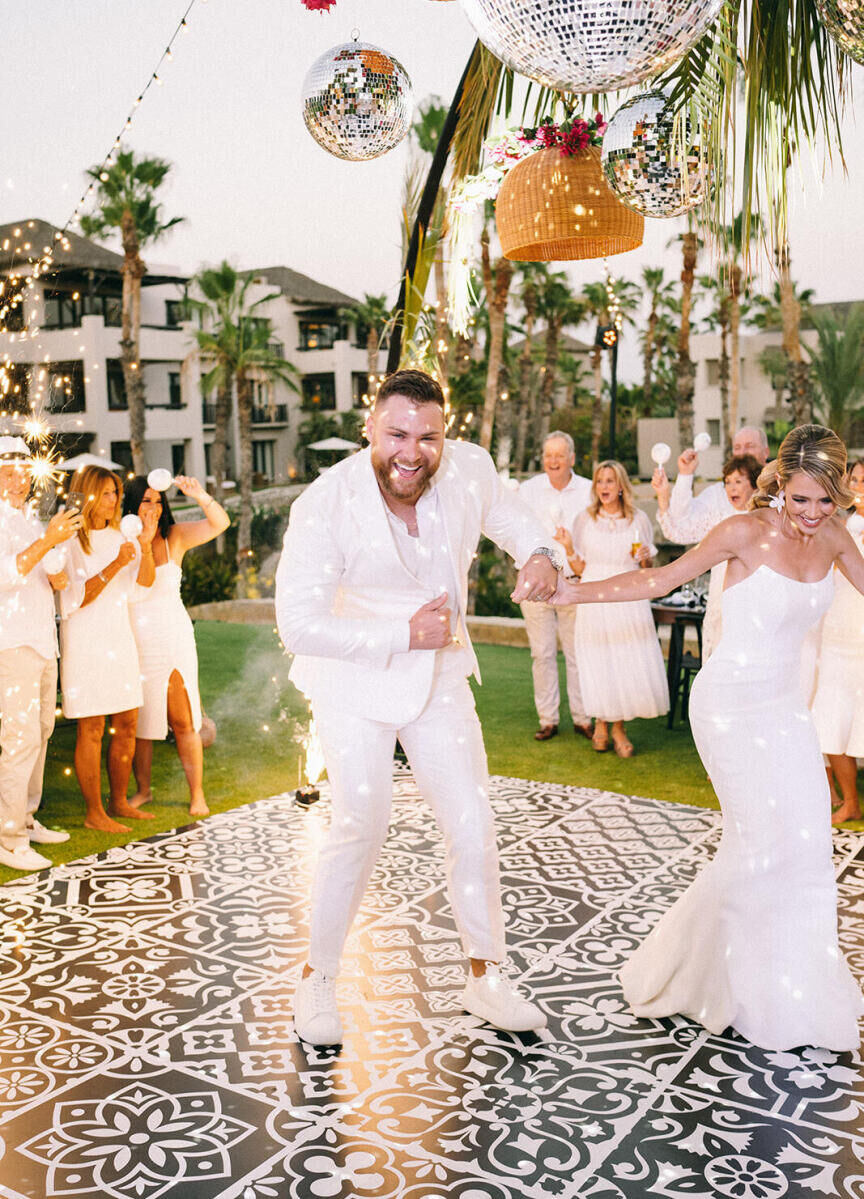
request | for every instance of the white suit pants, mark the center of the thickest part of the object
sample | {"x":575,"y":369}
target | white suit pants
{"x":28,"y":699}
{"x":544,"y":625}
{"x":445,"y":749}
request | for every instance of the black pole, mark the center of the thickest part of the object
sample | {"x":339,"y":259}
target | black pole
{"x":424,"y":213}
{"x":613,"y":397}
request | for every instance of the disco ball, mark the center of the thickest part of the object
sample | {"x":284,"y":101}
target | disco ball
{"x":590,"y":45}
{"x":844,"y":20}
{"x":357,"y":101}
{"x":641,"y":164}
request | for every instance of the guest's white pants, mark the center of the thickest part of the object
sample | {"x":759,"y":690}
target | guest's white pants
{"x":544,"y":625}
{"x":444,"y":746}
{"x":28,"y":699}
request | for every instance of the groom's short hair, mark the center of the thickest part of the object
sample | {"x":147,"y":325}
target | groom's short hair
{"x":416,"y":385}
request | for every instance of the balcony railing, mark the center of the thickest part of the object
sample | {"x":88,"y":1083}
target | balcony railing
{"x":270,"y":414}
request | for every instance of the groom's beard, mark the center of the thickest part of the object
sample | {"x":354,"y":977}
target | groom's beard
{"x":406,"y":490}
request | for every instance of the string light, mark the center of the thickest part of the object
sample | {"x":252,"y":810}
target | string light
{"x":616,"y":316}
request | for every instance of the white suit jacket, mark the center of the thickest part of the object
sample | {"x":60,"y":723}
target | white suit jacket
{"x":344,"y":597}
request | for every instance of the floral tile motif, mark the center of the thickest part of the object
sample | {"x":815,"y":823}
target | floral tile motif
{"x":148,"y":1051}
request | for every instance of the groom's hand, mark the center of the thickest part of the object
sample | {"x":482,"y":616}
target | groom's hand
{"x":430,"y":625}
{"x":537,"y":580}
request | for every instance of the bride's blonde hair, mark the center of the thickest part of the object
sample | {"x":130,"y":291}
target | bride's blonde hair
{"x":814,"y":451}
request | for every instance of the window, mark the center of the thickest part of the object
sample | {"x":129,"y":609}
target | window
{"x":320,"y":335}
{"x":359,"y":388}
{"x":263,"y":459}
{"x":178,"y":458}
{"x":62,"y":309}
{"x":175,"y":392}
{"x":208,"y":453}
{"x":63,"y":384}
{"x":13,"y":321}
{"x":319,"y":392}
{"x":176,"y":311}
{"x":117,"y":400}
{"x":712,"y":428}
{"x":15,"y":379}
{"x":121,"y":451}
{"x":110,"y":308}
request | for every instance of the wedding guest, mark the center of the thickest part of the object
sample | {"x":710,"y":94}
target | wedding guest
{"x":740,"y":476}
{"x":694,"y":516}
{"x":838,"y":705}
{"x":620,"y":663}
{"x":99,"y":670}
{"x":166,"y":640}
{"x":556,"y":497}
{"x":28,"y":656}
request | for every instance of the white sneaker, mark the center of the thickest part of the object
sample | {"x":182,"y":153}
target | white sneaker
{"x":496,"y":1000}
{"x":41,"y":835}
{"x":316,"y":1018}
{"x":23,"y":858}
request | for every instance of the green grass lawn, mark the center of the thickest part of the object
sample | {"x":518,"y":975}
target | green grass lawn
{"x":259,"y":715}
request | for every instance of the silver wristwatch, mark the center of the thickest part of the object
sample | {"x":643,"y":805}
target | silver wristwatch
{"x":547,"y":553}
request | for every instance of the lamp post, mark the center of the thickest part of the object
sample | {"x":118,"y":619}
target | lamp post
{"x":607,"y":338}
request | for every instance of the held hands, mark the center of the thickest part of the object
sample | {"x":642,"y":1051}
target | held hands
{"x":63,"y":525}
{"x":191,"y":488}
{"x":430,"y":625}
{"x":536,"y":581}
{"x":687,"y":462}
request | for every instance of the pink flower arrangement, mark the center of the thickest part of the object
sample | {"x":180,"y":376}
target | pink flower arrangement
{"x":569,"y":137}
{"x":319,"y":5}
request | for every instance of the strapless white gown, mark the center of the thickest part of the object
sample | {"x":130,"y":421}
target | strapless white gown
{"x":166,"y":642}
{"x":753,"y":942}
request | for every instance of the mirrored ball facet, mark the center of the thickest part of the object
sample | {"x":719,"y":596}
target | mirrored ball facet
{"x":844,"y":20}
{"x":590,"y":45}
{"x":357,"y":101}
{"x":643,"y":163}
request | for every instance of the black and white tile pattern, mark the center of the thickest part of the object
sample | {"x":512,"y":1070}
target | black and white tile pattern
{"x":147,"y":1048}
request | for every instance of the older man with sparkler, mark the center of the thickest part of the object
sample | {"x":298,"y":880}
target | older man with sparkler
{"x":30,"y":571}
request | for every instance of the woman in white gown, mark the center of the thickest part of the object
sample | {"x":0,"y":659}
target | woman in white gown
{"x":838,"y":705}
{"x":620,"y":663}
{"x":166,"y":639}
{"x":99,"y":673}
{"x":753,"y":942}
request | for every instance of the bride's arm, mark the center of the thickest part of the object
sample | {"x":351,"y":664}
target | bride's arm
{"x":849,"y":560}
{"x":719,"y":545}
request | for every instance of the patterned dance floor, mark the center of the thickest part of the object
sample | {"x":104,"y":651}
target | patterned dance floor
{"x":147,"y":1047}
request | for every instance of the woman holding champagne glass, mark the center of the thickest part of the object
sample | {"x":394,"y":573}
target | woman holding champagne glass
{"x":620,"y":663}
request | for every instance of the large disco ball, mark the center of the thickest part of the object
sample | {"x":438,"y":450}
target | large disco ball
{"x":643,"y":166}
{"x":844,"y":20}
{"x":357,"y":101}
{"x":590,"y":45}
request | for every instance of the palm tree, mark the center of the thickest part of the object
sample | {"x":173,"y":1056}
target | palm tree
{"x":659,"y":293}
{"x":496,"y":282}
{"x":784,"y":309}
{"x":837,"y":368}
{"x":685,"y":369}
{"x":125,"y":192}
{"x":718,"y":319}
{"x":237,"y":342}
{"x":558,"y":308}
{"x":532,"y":274}
{"x":372,"y":313}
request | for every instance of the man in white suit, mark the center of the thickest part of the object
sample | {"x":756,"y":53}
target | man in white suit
{"x":371,"y":595}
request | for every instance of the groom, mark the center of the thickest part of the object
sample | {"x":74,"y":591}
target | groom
{"x":371,"y":595}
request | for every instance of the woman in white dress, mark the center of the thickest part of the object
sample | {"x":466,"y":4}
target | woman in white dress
{"x":99,"y":673}
{"x":166,"y":640}
{"x":620,"y":663}
{"x":739,"y":483}
{"x":753,"y":942}
{"x":838,"y":705}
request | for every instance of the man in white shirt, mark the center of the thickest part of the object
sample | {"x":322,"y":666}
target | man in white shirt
{"x":28,"y":657}
{"x":689,"y":518}
{"x":556,"y":498}
{"x":371,"y":597}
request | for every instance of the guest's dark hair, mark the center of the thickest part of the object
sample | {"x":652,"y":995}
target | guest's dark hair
{"x":746,"y":464}
{"x":416,"y":385}
{"x":133,"y":494}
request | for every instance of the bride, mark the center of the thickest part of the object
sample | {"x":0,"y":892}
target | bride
{"x":753,"y":942}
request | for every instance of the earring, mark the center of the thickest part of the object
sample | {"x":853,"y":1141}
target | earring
{"x":779,"y":501}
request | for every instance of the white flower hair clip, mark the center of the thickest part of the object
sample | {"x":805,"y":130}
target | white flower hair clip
{"x":778,"y":501}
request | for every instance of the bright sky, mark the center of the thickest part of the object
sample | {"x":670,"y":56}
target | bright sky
{"x":252,"y":184}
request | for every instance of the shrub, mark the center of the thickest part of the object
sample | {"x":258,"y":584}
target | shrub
{"x":208,"y":576}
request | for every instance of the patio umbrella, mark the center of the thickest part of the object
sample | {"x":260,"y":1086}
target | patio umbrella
{"x":81,"y":460}
{"x":333,"y":443}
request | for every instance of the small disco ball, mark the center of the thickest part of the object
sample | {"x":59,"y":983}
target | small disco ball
{"x":642,"y":164}
{"x":844,"y":20}
{"x":357,"y":101}
{"x":590,"y":45}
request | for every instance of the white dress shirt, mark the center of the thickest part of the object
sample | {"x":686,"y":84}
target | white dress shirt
{"x":26,"y":601}
{"x":689,"y":518}
{"x":554,"y":508}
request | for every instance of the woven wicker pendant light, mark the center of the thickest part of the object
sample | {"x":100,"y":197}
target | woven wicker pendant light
{"x":553,"y":208}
